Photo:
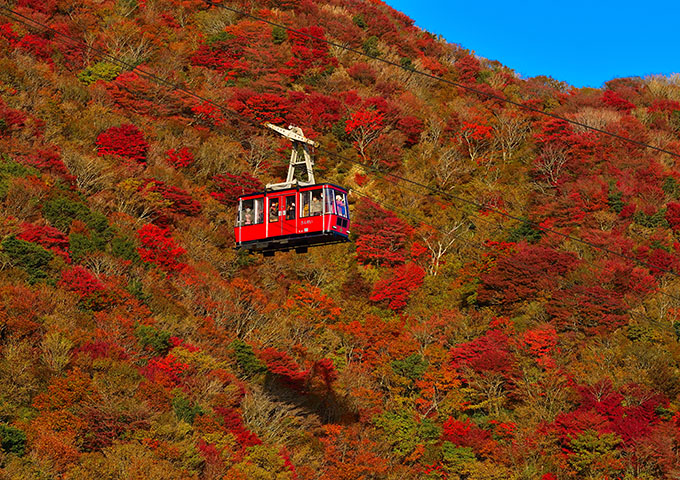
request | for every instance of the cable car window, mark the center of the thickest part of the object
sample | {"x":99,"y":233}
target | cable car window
{"x":273,"y":210}
{"x":311,"y":203}
{"x":305,"y":200}
{"x":246,"y":213}
{"x":340,"y":203}
{"x":290,"y":208}
{"x":258,"y":216}
{"x":330,"y":201}
{"x":316,"y":206}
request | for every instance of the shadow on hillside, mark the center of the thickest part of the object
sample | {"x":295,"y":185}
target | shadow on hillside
{"x":326,"y":405}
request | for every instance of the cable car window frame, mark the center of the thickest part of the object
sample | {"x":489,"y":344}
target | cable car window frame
{"x":256,"y":206}
{"x":290,"y":212}
{"x":307,"y":203}
{"x":273,"y":217}
{"x":329,"y":202}
{"x":344,"y":212}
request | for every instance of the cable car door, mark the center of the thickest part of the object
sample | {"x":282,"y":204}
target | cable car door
{"x":289,"y":219}
{"x":275,"y":213}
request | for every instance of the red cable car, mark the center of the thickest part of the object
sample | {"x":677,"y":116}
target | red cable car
{"x":294,"y":214}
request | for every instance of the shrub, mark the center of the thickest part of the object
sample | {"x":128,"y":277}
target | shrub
{"x":125,"y":249}
{"x":126,"y":141}
{"x":159,"y":248}
{"x":28,"y":256}
{"x":100,"y":71}
{"x":12,"y":440}
{"x":183,"y":408}
{"x":246,"y":359}
{"x":157,"y":340}
{"x":62,"y":211}
{"x":8,"y":169}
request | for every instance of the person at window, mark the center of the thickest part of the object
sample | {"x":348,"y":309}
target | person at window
{"x":317,"y":207}
{"x":290,"y":211}
{"x":248,"y":216}
{"x":273,"y":212}
{"x":340,"y":205}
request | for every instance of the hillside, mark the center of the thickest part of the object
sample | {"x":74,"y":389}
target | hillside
{"x":508,"y":308}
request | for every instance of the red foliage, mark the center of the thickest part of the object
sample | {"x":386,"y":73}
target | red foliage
{"x":7,"y":32}
{"x":673,"y":215}
{"x":47,"y":7}
{"x":367,"y":120}
{"x":325,"y":370}
{"x":398,"y":287}
{"x":382,"y":235}
{"x":350,"y":454}
{"x":126,"y":141}
{"x":555,"y":131}
{"x":467,"y":434}
{"x":468,"y":68}
{"x":102,"y":349}
{"x":36,"y":45}
{"x":412,"y":127}
{"x":180,"y":158}
{"x":48,"y":237}
{"x":224,"y":55}
{"x":476,"y":131}
{"x":228,"y":187}
{"x":658,"y":257}
{"x":46,"y":160}
{"x":316,"y":110}
{"x":308,"y":53}
{"x":362,"y":72}
{"x":588,"y":308}
{"x":263,"y":107}
{"x":166,"y":371}
{"x":524,"y":274}
{"x":631,"y":413}
{"x":233,"y":422}
{"x":14,"y":119}
{"x":613,"y":99}
{"x":285,"y":368}
{"x":664,"y":105}
{"x":487,"y":354}
{"x":541,"y":341}
{"x":159,"y":248}
{"x":79,"y":279}
{"x":208,"y":114}
{"x":180,"y":202}
{"x":374,"y":339}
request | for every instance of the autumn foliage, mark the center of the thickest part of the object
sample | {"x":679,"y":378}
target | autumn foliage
{"x":506,"y":306}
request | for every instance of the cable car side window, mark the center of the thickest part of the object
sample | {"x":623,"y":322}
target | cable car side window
{"x":340,"y":203}
{"x":251,"y":212}
{"x":316,"y":205}
{"x":305,"y":200}
{"x":258,"y":216}
{"x":290,"y":207}
{"x":273,"y":210}
{"x":312,"y":205}
{"x":246,"y":213}
{"x":329,"y":198}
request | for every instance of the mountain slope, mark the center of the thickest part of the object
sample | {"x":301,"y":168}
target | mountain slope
{"x":449,"y":340}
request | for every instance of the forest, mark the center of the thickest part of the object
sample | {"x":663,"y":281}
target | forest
{"x":508,"y":306}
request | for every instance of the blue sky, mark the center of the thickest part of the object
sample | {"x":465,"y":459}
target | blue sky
{"x":583,"y":43}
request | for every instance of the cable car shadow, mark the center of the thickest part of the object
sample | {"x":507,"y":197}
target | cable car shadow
{"x":314,"y":400}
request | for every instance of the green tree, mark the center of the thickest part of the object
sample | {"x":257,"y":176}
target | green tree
{"x":12,"y":440}
{"x":28,"y":256}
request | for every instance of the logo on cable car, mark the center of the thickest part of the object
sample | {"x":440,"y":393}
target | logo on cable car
{"x":307,"y":222}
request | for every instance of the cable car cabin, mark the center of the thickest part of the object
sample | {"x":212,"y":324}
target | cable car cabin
{"x":294,"y":218}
